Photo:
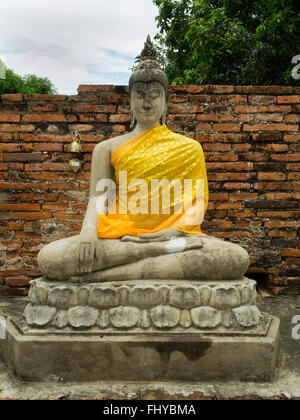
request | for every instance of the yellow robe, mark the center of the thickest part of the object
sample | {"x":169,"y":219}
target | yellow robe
{"x":155,"y":155}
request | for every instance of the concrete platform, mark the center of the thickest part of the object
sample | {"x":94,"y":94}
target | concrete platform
{"x":148,"y":357}
{"x":285,"y":386}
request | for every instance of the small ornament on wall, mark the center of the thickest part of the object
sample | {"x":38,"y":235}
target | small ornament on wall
{"x":75,"y":147}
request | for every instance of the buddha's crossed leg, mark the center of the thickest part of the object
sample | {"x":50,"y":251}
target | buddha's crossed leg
{"x":190,"y":257}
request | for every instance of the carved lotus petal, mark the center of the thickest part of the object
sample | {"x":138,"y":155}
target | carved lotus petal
{"x":103,"y":297}
{"x":206,"y":317}
{"x":165,"y":316}
{"x":224,"y":297}
{"x":144,"y":297}
{"x":83,"y":316}
{"x":124,"y":317}
{"x":247,"y":316}
{"x":39,"y":316}
{"x":184,"y":297}
{"x":63,"y":297}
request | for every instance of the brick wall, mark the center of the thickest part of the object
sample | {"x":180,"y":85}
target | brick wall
{"x":250,"y":136}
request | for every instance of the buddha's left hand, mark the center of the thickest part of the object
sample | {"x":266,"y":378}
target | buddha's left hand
{"x":162,"y":235}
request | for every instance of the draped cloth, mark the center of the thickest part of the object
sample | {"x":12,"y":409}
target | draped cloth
{"x":161,"y":182}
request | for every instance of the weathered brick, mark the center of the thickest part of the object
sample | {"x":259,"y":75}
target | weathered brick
{"x":12,"y":97}
{"x":16,"y":128}
{"x":45,"y":97}
{"x":21,"y":157}
{"x":35,"y":118}
{"x":45,"y":108}
{"x":11,"y":118}
{"x":227,"y":127}
{"x":95,"y":88}
{"x":290,"y":99}
{"x":270,"y":127}
{"x":271,"y":176}
{"x":261,"y":99}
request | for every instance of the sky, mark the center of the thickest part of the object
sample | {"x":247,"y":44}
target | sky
{"x":75,"y":42}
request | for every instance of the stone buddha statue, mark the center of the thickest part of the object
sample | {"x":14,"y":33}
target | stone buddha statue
{"x":143,"y":245}
{"x":142,"y":267}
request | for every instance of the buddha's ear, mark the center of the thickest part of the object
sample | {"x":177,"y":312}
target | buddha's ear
{"x":164,"y":116}
{"x":133,"y":120}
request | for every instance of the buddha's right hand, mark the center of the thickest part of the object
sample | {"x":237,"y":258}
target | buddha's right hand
{"x":87,"y":251}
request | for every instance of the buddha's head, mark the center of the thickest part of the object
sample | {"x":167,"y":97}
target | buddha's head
{"x":148,"y":89}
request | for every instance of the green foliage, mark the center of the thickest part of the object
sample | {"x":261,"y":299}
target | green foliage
{"x":241,"y":42}
{"x":30,"y":84}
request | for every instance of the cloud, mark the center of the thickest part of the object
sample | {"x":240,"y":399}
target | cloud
{"x":75,"y":41}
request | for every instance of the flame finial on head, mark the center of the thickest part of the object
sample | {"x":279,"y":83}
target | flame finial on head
{"x":149,"y":52}
{"x":149,"y":69}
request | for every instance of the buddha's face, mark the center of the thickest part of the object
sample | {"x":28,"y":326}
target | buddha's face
{"x":148,"y":102}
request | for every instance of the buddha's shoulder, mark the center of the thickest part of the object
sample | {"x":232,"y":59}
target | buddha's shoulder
{"x":110,"y":145}
{"x":187,"y":140}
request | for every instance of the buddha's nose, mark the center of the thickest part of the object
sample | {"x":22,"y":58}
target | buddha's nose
{"x":147,"y":105}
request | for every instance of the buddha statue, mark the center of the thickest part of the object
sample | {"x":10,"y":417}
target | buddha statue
{"x":121,"y":245}
{"x":142,"y":293}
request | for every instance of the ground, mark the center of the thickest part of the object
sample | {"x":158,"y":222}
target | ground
{"x":286,"y":384}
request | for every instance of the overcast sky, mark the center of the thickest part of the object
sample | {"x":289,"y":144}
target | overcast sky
{"x":75,"y":41}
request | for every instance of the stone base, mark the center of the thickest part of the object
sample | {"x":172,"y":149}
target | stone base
{"x":139,"y":306}
{"x":166,"y":356}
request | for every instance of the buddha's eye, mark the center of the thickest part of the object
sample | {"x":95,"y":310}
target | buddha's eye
{"x":139,"y":94}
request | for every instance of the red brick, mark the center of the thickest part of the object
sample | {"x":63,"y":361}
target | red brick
{"x":293,"y":166}
{"x":270,"y":117}
{"x":290,"y":253}
{"x":270,"y":127}
{"x":45,"y":108}
{"x":227,"y":127}
{"x":236,"y":186}
{"x":12,"y":226}
{"x":95,"y":88}
{"x":271,"y":176}
{"x":119,"y":118}
{"x":228,"y":166}
{"x":12,"y":97}
{"x":290,"y":99}
{"x":282,"y":234}
{"x":236,"y":98}
{"x":53,"y":206}
{"x":12,"y":118}
{"x":276,"y":147}
{"x":17,"y":281}
{"x":119,"y":128}
{"x":55,"y":118}
{"x":10,"y":147}
{"x":217,"y":147}
{"x":226,"y":206}
{"x":294,"y":176}
{"x":16,"y":128}
{"x":292,"y":138}
{"x":203,"y":127}
{"x":227,"y":157}
{"x":213,"y":89}
{"x":82,"y":127}
{"x":48,"y":147}
{"x":45,"y":97}
{"x":262,"y":99}
{"x":293,"y":157}
{"x":29,"y":216}
{"x":20,"y":207}
{"x":293,"y":261}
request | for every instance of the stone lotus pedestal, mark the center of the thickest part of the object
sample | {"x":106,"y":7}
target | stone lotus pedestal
{"x":143,"y":330}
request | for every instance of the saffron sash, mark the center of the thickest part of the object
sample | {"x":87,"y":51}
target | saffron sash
{"x":160,"y":180}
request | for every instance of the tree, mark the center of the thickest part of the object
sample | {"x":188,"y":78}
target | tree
{"x":246,"y":42}
{"x":30,"y":84}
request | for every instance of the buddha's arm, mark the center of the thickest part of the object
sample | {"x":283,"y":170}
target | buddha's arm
{"x":101,"y":170}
